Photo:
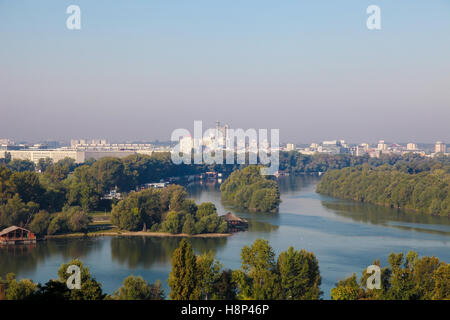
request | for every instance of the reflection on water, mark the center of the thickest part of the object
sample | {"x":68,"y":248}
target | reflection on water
{"x":25,"y":258}
{"x":345,"y":236}
{"x":146,"y":251}
{"x":379,"y":215}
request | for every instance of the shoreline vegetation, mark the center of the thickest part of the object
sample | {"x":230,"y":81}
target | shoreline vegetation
{"x":134,"y":234}
{"x":247,"y":189}
{"x":56,"y":198}
{"x":425,"y":191}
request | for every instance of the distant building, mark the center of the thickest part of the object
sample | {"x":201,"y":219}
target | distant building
{"x":6,"y":142}
{"x":361,"y":150}
{"x":411,"y":146}
{"x":290,"y":147}
{"x":381,"y":145}
{"x":440,"y":147}
{"x":56,"y":155}
{"x":332,"y":147}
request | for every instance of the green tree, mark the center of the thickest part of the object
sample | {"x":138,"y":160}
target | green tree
{"x":258,"y":278}
{"x":183,"y":280}
{"x":347,"y":289}
{"x":299,"y":274}
{"x":136,"y":288}
{"x":225,"y":288}
{"x":247,"y":189}
{"x":19,"y":290}
{"x":21,"y":165}
{"x":208,"y":274}
{"x":40,"y":223}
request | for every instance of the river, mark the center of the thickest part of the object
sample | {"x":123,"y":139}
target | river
{"x":345,"y":236}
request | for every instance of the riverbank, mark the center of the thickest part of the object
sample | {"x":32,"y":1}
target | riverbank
{"x":136,"y":234}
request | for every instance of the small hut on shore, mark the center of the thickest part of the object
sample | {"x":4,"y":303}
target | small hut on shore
{"x":16,"y":235}
{"x":234,"y":223}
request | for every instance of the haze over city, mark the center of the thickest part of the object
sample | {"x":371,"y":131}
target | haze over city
{"x":140,"y":69}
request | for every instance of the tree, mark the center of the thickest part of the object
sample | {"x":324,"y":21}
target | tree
{"x":183,"y":280}
{"x":84,"y":189}
{"x":109,"y":173}
{"x":136,"y":288}
{"x":442,"y":284}
{"x":16,"y":212}
{"x":225,"y":288}
{"x":19,"y":290}
{"x":205,"y":209}
{"x":406,"y":278}
{"x":44,"y":164}
{"x":247,"y":189}
{"x":53,"y":290}
{"x":299,"y":275}
{"x":189,"y":225}
{"x":174,"y":222}
{"x":258,"y":278}
{"x":26,"y":184}
{"x":208,"y":273}
{"x":347,"y":289}
{"x":40,"y":223}
{"x":21,"y":165}
{"x":137,"y":209}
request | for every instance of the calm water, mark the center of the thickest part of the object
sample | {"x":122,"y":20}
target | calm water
{"x":345,"y":236}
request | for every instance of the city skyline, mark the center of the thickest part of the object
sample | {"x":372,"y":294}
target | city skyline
{"x":141,"y":70}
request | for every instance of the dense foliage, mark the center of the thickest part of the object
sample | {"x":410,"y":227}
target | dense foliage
{"x":294,"y":276}
{"x":42,"y":200}
{"x":247,"y":189}
{"x":406,"y":278}
{"x":295,"y":162}
{"x":427,"y":191}
{"x":136,"y":288}
{"x":166,"y":210}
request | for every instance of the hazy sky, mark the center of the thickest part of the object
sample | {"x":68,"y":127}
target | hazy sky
{"x":137,"y":70}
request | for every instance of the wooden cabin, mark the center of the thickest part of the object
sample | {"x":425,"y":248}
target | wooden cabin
{"x":16,"y":235}
{"x":234,"y":223}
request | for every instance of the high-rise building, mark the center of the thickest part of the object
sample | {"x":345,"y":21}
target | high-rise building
{"x":221,"y":134}
{"x":411,"y":146}
{"x":365,"y":146}
{"x":440,"y":147}
{"x":361,"y":150}
{"x":381,"y":145}
{"x":290,"y":147}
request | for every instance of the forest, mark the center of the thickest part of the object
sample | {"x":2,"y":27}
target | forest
{"x":247,"y":189}
{"x":425,"y":189}
{"x":54,"y":198}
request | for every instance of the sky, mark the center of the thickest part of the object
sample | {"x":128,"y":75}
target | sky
{"x":139,"y":69}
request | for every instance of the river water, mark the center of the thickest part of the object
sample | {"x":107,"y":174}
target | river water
{"x":345,"y":236}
